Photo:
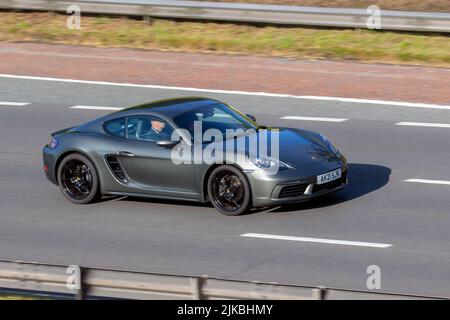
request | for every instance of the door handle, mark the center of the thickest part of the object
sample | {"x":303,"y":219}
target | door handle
{"x":125,"y":154}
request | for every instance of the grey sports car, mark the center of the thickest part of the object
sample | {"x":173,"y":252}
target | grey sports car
{"x":146,"y":150}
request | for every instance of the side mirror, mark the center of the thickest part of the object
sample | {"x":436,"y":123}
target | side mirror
{"x":167,"y":143}
{"x":252,"y":117}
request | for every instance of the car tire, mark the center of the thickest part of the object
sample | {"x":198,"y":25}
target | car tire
{"x":80,"y":186}
{"x":229,"y":190}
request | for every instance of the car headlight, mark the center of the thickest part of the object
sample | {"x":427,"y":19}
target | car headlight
{"x":330,"y":146}
{"x":53,"y":143}
{"x":268,"y":163}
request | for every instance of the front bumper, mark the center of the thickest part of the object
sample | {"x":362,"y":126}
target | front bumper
{"x":291,"y":187}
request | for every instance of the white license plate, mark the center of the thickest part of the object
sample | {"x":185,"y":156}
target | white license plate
{"x":330,"y":176}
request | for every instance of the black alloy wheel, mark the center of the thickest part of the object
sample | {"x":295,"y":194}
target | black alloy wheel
{"x":77,"y":179}
{"x":229,"y":190}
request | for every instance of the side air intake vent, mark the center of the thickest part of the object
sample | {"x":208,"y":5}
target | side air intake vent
{"x":116,"y":168}
{"x":295,"y":190}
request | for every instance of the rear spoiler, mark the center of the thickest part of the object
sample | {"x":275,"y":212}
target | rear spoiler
{"x":61,"y":131}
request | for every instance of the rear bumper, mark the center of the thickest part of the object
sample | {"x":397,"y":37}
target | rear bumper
{"x":49,"y":158}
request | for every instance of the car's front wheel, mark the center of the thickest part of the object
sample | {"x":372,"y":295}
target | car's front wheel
{"x":78,"y":179}
{"x":229,"y":190}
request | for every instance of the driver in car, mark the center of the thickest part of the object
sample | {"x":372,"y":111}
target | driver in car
{"x":156,"y":132}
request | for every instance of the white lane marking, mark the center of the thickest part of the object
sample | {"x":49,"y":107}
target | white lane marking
{"x":428,"y":181}
{"x":14,"y":104}
{"x":95,"y":108}
{"x":381,"y":102}
{"x":313,"y":119}
{"x":266,"y":94}
{"x":424,"y":124}
{"x":318,"y":240}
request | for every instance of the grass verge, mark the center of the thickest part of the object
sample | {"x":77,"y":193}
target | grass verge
{"x":301,"y":43}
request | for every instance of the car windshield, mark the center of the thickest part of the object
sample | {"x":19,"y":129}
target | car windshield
{"x":213,"y":116}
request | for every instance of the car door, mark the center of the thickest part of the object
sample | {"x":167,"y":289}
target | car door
{"x":148,"y":166}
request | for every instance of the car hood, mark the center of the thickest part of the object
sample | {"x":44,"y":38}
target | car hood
{"x":300,"y":148}
{"x":297,"y":148}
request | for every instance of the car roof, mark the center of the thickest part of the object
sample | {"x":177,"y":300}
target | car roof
{"x":170,"y":107}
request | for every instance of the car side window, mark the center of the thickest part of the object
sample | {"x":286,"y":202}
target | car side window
{"x":115,"y":127}
{"x":148,"y":128}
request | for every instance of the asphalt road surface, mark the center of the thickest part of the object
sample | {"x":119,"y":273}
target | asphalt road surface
{"x":378,"y":206}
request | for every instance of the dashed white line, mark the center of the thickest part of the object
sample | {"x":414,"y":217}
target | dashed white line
{"x":381,"y":102}
{"x":442,"y":182}
{"x":317,"y":240}
{"x":95,"y":108}
{"x":13,"y":104}
{"x":265,"y":94}
{"x":424,"y":124}
{"x":313,"y":119}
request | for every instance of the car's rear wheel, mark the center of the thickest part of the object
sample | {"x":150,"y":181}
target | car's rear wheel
{"x":78,"y":179}
{"x":229,"y":190}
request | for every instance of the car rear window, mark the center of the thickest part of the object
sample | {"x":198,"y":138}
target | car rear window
{"x":115,"y":127}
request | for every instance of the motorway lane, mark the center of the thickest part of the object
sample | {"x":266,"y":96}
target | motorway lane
{"x":38,"y":224}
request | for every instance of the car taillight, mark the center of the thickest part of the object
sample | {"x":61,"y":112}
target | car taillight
{"x":53,"y":143}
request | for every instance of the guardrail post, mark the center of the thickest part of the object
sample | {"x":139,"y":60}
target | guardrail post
{"x":197,"y":287}
{"x":320,"y":293}
{"x":148,"y":20}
